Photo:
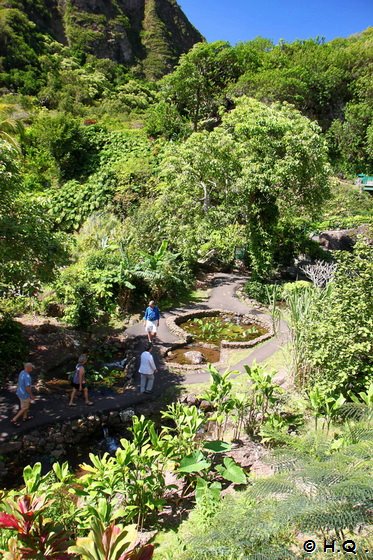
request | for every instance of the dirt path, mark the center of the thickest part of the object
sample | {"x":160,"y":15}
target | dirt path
{"x":53,"y":408}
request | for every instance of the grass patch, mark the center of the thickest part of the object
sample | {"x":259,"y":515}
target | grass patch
{"x":192,"y":296}
{"x":237,"y":356}
{"x":280,"y":360}
{"x":195,"y":388}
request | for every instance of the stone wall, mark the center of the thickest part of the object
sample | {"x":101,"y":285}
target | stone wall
{"x":55,"y":441}
{"x":173,"y":323}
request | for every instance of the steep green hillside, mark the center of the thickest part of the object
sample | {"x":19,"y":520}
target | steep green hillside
{"x":150,"y":34}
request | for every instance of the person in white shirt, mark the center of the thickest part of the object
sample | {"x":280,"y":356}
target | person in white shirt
{"x":147,"y":370}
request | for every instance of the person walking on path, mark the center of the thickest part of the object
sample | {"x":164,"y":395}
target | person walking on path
{"x":24,"y":393}
{"x":79,"y":382}
{"x":151,"y":320}
{"x":147,"y":370}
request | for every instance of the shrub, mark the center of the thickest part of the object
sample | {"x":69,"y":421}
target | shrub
{"x":334,"y":325}
{"x":164,"y":119}
{"x":295,"y":287}
{"x":256,"y":290}
{"x":71,"y":145}
{"x":12,"y":345}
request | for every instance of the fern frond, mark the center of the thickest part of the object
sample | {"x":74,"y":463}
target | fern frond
{"x":355,"y":411}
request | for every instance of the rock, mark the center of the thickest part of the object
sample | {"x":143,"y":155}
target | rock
{"x":57,"y":453}
{"x":342,"y":239}
{"x":134,"y":319}
{"x":126,"y":415}
{"x":191,"y":400}
{"x":162,"y":350}
{"x":206,"y":406}
{"x":195,"y":357}
{"x":210,"y":261}
{"x":10,"y":447}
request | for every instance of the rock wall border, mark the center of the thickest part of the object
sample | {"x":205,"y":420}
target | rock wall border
{"x":56,"y":439}
{"x":173,"y":323}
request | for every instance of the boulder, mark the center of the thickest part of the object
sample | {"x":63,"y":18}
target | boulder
{"x":341,"y":239}
{"x":191,"y":400}
{"x":194,"y":357}
{"x":206,"y":406}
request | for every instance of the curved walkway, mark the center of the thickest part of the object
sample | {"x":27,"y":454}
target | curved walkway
{"x":50,"y":409}
{"x":222,"y":296}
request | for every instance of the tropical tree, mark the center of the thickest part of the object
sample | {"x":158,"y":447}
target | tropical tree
{"x":197,"y":84}
{"x":262,"y":163}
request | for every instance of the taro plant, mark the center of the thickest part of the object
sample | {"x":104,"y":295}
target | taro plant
{"x":209,"y":328}
{"x":199,"y":465}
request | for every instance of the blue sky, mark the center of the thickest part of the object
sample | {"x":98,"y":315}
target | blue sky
{"x":242,"y":20}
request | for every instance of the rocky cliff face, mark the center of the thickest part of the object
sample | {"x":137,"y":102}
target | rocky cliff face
{"x":149,"y":33}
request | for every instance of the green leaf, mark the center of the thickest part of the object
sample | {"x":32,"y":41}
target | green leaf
{"x":217,"y":446}
{"x":232,"y":471}
{"x":194,"y":463}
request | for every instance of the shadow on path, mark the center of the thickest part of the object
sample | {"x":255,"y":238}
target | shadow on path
{"x":49,"y":409}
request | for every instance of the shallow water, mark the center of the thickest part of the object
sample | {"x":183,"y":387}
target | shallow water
{"x":228,"y":327}
{"x":212,"y":355}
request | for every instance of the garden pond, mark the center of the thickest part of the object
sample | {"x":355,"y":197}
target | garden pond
{"x":208,"y":333}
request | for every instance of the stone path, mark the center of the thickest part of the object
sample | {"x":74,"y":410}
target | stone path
{"x":53,"y":408}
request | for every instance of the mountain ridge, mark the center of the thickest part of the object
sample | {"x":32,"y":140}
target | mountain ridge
{"x":149,"y":34}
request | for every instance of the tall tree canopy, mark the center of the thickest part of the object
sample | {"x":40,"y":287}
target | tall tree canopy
{"x":262,"y":163}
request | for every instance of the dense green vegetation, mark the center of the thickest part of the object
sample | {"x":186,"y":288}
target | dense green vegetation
{"x":321,"y":489}
{"x":115,"y":189}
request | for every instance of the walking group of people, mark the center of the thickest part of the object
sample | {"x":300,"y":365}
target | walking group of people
{"x":147,"y":371}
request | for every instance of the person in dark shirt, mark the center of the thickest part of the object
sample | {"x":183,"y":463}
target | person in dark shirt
{"x":151,"y":320}
{"x":79,"y":383}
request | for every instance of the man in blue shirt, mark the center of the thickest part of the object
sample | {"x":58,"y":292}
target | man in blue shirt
{"x":24,"y":393}
{"x":151,"y":320}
